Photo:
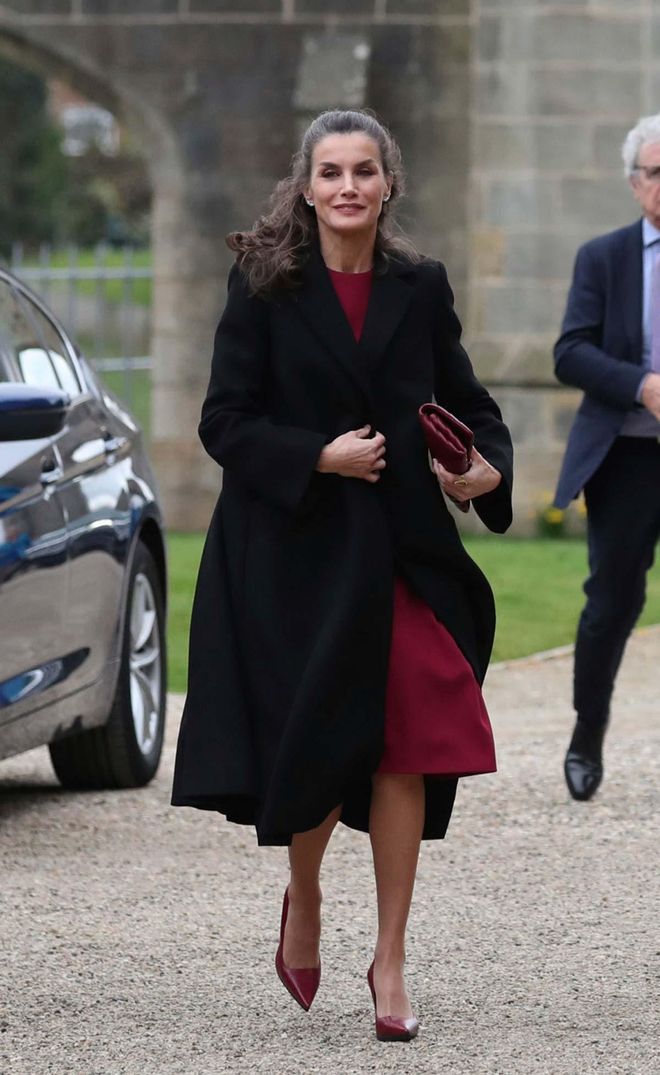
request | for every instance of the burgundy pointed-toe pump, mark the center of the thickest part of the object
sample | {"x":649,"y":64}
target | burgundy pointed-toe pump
{"x":301,"y":982}
{"x":391,"y":1027}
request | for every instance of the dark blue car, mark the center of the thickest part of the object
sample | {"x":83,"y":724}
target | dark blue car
{"x":82,"y":562}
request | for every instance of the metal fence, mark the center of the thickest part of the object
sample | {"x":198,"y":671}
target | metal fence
{"x":103,"y":298}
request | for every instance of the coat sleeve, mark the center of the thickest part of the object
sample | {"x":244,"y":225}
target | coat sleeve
{"x":275,"y":461}
{"x":579,"y":358}
{"x":457,"y":388}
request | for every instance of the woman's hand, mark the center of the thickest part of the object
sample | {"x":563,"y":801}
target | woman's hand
{"x":354,"y":455}
{"x":479,"y":479}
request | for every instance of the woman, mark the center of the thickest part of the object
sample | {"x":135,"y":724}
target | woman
{"x":340,"y":631}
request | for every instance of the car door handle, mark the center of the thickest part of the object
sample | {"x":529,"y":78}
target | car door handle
{"x":113,"y":444}
{"x":51,"y":473}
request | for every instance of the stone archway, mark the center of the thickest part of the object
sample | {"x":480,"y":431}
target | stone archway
{"x":217,"y":91}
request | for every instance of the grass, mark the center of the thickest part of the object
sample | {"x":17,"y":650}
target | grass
{"x":537,"y":584}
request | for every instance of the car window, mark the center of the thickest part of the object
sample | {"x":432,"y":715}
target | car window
{"x":33,"y":345}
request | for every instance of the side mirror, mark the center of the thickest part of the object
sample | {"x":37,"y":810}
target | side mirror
{"x":29,"y":413}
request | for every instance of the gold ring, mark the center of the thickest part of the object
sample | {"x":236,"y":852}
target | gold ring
{"x":460,"y":481}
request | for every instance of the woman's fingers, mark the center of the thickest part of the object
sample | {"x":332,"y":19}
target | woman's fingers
{"x":479,"y":479}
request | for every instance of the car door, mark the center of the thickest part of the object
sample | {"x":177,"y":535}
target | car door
{"x":34,"y":661}
{"x":93,"y":489}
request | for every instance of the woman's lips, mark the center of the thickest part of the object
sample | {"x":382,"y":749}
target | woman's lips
{"x":349,"y":210}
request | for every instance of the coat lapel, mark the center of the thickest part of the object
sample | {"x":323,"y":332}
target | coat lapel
{"x":390,"y":298}
{"x":318,"y":304}
{"x":632,"y":275}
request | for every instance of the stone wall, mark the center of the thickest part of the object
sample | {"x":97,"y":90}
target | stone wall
{"x":555,"y":89}
{"x":510,"y":114}
{"x":218,"y":91}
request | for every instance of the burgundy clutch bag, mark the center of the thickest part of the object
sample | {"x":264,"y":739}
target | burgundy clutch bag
{"x":448,"y":440}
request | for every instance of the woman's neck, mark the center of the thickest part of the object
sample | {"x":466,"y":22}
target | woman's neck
{"x":344,"y":254}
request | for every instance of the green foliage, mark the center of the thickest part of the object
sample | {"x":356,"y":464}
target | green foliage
{"x":108,"y":198}
{"x":46,"y":196}
{"x":33,"y":171}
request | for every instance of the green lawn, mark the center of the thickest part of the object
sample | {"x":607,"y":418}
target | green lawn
{"x":537,"y":586}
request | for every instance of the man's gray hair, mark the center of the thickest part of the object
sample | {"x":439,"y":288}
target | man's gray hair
{"x":646,"y":130}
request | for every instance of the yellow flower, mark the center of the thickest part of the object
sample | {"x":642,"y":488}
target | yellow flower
{"x":555,"y":516}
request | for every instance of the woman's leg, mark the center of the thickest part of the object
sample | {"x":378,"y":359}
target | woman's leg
{"x":395,"y":828}
{"x":303,"y":926}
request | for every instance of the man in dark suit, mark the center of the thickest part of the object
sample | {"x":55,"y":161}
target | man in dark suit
{"x":610,"y":348}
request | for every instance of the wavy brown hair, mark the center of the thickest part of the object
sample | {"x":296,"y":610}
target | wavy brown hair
{"x":272,"y":254}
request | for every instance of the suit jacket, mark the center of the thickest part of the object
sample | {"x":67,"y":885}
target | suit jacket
{"x":292,"y":616}
{"x":600,"y":350}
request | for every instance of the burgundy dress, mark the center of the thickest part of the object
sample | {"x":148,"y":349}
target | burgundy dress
{"x":435,"y":717}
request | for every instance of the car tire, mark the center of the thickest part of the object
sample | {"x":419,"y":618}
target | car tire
{"x":125,"y":752}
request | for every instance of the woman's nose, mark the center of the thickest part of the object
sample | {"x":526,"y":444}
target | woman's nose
{"x":348,"y":186}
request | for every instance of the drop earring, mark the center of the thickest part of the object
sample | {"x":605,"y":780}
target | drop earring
{"x":309,"y":201}
{"x":386,"y":198}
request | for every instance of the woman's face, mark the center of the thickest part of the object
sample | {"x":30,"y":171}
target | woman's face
{"x":347,"y":184}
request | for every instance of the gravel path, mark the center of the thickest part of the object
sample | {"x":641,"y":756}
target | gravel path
{"x":139,"y":939}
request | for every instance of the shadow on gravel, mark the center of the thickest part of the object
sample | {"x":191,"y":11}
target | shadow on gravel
{"x":19,"y":796}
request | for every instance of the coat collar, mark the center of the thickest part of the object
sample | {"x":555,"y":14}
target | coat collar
{"x":317,"y":302}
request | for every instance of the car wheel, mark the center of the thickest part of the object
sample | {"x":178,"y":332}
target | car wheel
{"x":125,"y":752}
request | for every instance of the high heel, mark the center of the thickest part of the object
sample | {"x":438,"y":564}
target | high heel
{"x":391,"y":1027}
{"x":302,"y":983}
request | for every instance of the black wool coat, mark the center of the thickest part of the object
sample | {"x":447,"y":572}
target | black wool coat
{"x":292,"y":615}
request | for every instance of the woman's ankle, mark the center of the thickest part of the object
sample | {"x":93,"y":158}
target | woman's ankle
{"x":389,"y":955}
{"x":305,"y":892}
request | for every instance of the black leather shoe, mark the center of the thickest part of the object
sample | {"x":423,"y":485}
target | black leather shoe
{"x":583,"y":765}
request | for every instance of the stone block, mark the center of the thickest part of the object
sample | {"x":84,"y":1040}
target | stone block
{"x":526,"y":201}
{"x":598,"y":205}
{"x":332,"y":71}
{"x":547,"y":255}
{"x":190,"y":340}
{"x":566,"y":405}
{"x":572,"y":38}
{"x":651,"y":102}
{"x":235,"y":7}
{"x":566,"y":145}
{"x":515,"y":358}
{"x":38,"y":7}
{"x":487,"y":248}
{"x":502,"y":145}
{"x":128,"y":7}
{"x":503,"y":90}
{"x":490,"y":357}
{"x":203,"y":300}
{"x":526,"y":413}
{"x":187,"y":505}
{"x":335,"y":7}
{"x":608,"y":139}
{"x":175,"y":410}
{"x":498,"y":5}
{"x":427,"y":7}
{"x":512,"y":308}
{"x":506,"y":38}
{"x":611,"y":93}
